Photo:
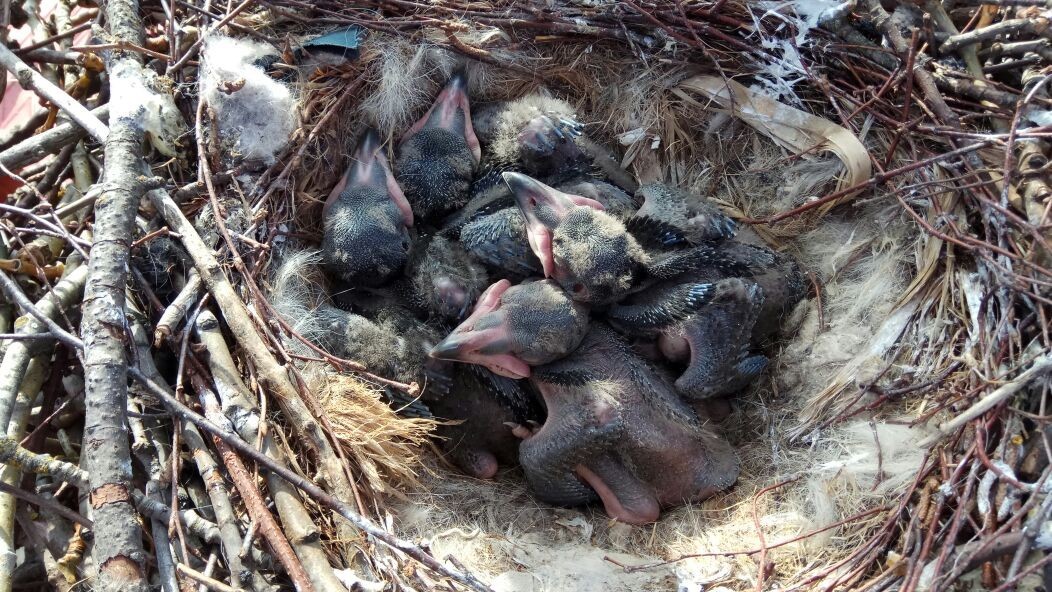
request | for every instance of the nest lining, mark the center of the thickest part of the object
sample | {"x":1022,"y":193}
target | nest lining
{"x":862,"y":256}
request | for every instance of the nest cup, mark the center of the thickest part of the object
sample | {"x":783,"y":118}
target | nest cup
{"x":828,"y":458}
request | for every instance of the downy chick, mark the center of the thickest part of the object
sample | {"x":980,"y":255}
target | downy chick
{"x":671,"y":217}
{"x":539,"y":136}
{"x":590,"y":253}
{"x":499,"y":239}
{"x":366,"y":219}
{"x":535,"y":134}
{"x":441,"y":280}
{"x":391,"y":342}
{"x":528,"y":324}
{"x":438,"y":156}
{"x":617,"y":431}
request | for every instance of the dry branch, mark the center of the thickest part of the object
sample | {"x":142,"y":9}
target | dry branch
{"x":32,"y":80}
{"x":256,"y":507}
{"x":50,"y":142}
{"x":17,"y":355}
{"x":118,"y":549}
{"x":237,"y":317}
{"x":1038,"y":369}
{"x":243,"y":414}
{"x":1036,"y":26}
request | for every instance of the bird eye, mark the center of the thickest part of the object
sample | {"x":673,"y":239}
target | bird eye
{"x":405,"y":245}
{"x":578,"y":288}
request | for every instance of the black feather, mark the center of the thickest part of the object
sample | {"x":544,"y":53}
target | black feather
{"x":655,"y":233}
{"x":702,"y":257}
{"x":511,"y":394}
{"x":662,"y":309}
{"x":564,"y":376}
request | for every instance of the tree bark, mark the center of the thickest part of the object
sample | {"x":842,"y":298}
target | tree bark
{"x":37,"y":147}
{"x":118,"y":549}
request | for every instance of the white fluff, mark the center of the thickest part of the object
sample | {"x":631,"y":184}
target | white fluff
{"x":870,"y":459}
{"x":146,"y":98}
{"x":778,"y":78}
{"x":412,"y":72}
{"x":256,"y":121}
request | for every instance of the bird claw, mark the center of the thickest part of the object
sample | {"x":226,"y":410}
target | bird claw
{"x":543,"y":133}
{"x":574,"y":128}
{"x":522,"y":432}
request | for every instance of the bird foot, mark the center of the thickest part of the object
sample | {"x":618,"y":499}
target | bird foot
{"x":542,"y":134}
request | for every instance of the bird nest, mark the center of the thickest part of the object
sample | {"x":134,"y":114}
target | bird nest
{"x":871,"y":452}
{"x":899,"y":437}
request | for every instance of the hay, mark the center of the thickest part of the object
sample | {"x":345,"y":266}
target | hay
{"x":384,"y":448}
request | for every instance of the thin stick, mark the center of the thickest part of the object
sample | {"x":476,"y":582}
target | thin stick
{"x":44,"y":503}
{"x":32,"y":80}
{"x":201,"y":578}
{"x":54,"y":38}
{"x":1040,"y":367}
{"x":254,"y":503}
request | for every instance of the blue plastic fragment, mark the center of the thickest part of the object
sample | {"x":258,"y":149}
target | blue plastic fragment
{"x":344,"y":41}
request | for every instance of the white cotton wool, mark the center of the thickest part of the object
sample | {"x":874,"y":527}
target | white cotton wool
{"x":256,"y":114}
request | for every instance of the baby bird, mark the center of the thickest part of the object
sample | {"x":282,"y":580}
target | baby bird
{"x":391,"y":342}
{"x":672,"y":217}
{"x":617,"y":431}
{"x":589,"y":252}
{"x":441,"y":281}
{"x":515,"y":327}
{"x":713,"y":344}
{"x":438,"y":156}
{"x":499,"y":239}
{"x":535,"y":134}
{"x":366,"y":220}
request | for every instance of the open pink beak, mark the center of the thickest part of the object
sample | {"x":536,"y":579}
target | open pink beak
{"x":544,"y":207}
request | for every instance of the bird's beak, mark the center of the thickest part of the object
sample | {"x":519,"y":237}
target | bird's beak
{"x":544,"y":207}
{"x":451,"y":111}
{"x":487,"y":347}
{"x":369,"y":167}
